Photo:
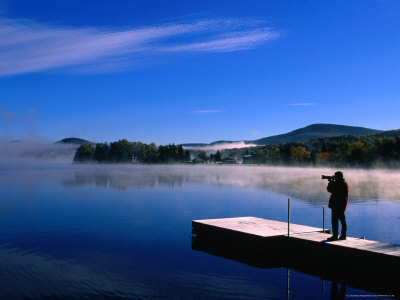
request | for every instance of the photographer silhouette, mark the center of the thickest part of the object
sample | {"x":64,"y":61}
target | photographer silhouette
{"x":339,"y":189}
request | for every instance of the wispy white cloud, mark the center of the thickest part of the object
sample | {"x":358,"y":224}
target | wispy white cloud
{"x":207,"y":111}
{"x":22,"y":123}
{"x":229,"y":42}
{"x":303,"y":104}
{"x":7,"y":116}
{"x":27,"y":46}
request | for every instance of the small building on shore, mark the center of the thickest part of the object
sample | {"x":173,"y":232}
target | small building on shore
{"x":229,"y":160}
{"x":248,"y":159}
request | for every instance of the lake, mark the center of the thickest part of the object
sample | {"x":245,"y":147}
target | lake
{"x":124,"y":231}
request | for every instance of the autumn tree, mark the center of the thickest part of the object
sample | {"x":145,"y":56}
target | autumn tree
{"x":84,"y":153}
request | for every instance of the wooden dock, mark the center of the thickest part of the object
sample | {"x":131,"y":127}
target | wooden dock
{"x":258,"y":230}
{"x":265,"y":243}
{"x":251,"y":226}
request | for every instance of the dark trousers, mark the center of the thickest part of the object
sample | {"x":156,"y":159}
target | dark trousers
{"x":336,"y":216}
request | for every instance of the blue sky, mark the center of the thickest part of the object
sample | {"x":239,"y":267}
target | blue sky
{"x":195,"y":71}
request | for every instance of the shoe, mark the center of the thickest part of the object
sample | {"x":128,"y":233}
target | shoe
{"x":342,"y":237}
{"x":333,"y":238}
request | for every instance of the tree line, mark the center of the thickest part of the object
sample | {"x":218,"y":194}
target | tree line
{"x":124,"y":151}
{"x":352,"y":151}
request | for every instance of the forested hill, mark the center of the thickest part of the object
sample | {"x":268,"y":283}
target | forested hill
{"x":210,"y":144}
{"x":75,"y":141}
{"x":311,"y":132}
{"x":315,"y":131}
{"x":375,"y":150}
{"x":388,"y":133}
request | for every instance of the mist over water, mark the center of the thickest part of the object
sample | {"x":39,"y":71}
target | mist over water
{"x":233,"y":145}
{"x":124,"y":231}
{"x":302,"y":183}
{"x":26,"y":154}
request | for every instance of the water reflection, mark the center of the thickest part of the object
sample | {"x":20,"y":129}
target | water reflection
{"x":34,"y":275}
{"x":336,"y":293}
{"x":124,"y":231}
{"x":300,"y":183}
{"x":271,"y":255}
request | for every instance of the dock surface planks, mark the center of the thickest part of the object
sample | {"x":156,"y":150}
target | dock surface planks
{"x":353,"y":243}
{"x":255,"y":226}
{"x":258,"y":228}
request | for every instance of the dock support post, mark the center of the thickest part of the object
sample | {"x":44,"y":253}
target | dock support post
{"x":287,"y":284}
{"x":323,"y":219}
{"x":288,"y":217}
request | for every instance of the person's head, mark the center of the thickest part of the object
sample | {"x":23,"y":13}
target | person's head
{"x":339,"y":175}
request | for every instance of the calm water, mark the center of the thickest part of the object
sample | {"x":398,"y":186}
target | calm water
{"x":125,"y":231}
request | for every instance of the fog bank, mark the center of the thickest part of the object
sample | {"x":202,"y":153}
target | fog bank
{"x":34,"y":153}
{"x":235,"y":145}
{"x":301,"y":183}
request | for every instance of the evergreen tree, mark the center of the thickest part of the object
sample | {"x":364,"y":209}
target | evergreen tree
{"x":101,"y":152}
{"x":217,"y":157}
{"x":84,"y":153}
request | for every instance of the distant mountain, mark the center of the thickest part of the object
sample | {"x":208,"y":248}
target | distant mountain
{"x":195,"y":145}
{"x":75,"y":141}
{"x":211,"y":144}
{"x":388,"y":133}
{"x":222,"y":142}
{"x":315,"y":131}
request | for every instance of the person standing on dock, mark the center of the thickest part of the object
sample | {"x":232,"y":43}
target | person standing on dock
{"x":339,"y":189}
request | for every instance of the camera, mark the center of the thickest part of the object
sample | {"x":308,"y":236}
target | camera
{"x":330,"y":178}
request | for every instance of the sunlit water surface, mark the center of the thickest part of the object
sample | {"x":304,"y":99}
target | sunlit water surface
{"x":125,"y":231}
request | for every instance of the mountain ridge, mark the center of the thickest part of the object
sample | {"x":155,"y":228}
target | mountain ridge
{"x":310,"y":132}
{"x":315,"y":131}
{"x":75,"y":141}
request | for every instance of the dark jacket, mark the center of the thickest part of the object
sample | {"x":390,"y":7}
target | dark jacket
{"x":340,"y":195}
